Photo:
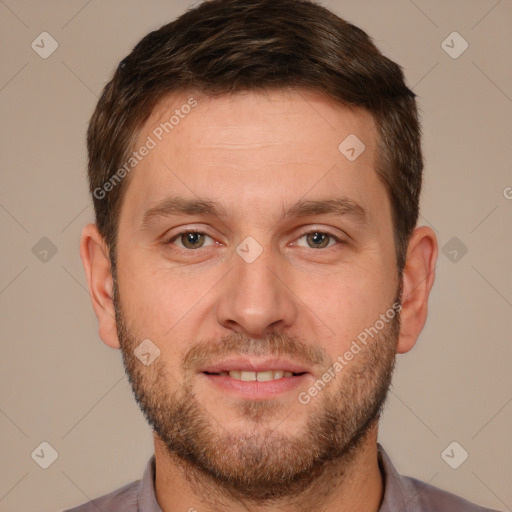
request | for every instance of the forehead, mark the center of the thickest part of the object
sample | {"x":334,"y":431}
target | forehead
{"x":284,"y":116}
{"x":258,"y":149}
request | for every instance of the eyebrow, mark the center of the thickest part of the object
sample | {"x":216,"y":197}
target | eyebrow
{"x":176,"y":205}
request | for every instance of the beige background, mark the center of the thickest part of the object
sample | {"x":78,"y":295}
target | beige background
{"x":60,"y":384}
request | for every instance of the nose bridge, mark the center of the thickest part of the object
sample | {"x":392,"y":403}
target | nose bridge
{"x":254,"y":299}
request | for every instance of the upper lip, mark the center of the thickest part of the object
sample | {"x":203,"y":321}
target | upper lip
{"x":253,"y":364}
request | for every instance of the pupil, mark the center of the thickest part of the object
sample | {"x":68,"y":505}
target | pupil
{"x":316,"y":238}
{"x":192,"y":238}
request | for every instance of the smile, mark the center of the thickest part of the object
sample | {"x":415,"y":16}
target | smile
{"x":250,"y":376}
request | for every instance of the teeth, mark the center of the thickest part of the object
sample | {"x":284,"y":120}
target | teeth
{"x":248,"y":376}
{"x":263,"y":376}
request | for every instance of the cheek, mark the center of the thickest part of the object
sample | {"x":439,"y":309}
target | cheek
{"x":145,"y":298}
{"x":345,"y":302}
{"x":163,"y":304}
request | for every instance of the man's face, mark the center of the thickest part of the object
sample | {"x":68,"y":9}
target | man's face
{"x":255,"y":289}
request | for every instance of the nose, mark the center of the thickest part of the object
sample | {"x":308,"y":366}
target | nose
{"x":256,"y":298}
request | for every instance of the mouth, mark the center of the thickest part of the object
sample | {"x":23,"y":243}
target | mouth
{"x":252,"y":376}
{"x":256,"y":378}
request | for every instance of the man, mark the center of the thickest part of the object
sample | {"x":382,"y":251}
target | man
{"x":256,"y":169}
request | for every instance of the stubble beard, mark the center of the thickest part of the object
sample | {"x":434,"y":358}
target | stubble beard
{"x":262,"y":464}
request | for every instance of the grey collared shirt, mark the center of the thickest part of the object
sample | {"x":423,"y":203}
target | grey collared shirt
{"x":401,"y":494}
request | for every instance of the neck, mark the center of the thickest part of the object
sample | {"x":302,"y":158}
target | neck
{"x":353,"y":483}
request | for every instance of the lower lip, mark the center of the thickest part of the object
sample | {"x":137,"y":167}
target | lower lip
{"x":254,"y":390}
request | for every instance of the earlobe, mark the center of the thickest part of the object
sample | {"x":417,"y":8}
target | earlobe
{"x":96,"y":262}
{"x":418,"y":279}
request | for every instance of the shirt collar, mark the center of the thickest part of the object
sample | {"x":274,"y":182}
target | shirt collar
{"x":146,"y":495}
{"x":393,"y":498}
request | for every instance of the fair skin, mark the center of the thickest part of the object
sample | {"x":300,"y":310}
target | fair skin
{"x":257,"y":155}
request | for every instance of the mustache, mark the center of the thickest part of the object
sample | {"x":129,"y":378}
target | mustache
{"x":273,"y":345}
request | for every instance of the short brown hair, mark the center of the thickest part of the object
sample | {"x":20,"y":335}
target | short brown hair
{"x":224,"y":46}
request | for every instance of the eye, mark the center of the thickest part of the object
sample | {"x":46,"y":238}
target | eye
{"x":189,"y":239}
{"x":319,"y":239}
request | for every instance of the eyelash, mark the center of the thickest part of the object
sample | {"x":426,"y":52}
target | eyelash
{"x":188,"y":231}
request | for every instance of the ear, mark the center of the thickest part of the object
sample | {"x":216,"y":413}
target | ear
{"x":418,"y":278}
{"x":95,"y":259}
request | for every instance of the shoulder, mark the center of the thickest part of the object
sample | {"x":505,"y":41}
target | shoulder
{"x":123,"y":499}
{"x":409,"y":494}
{"x":425,"y":497}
